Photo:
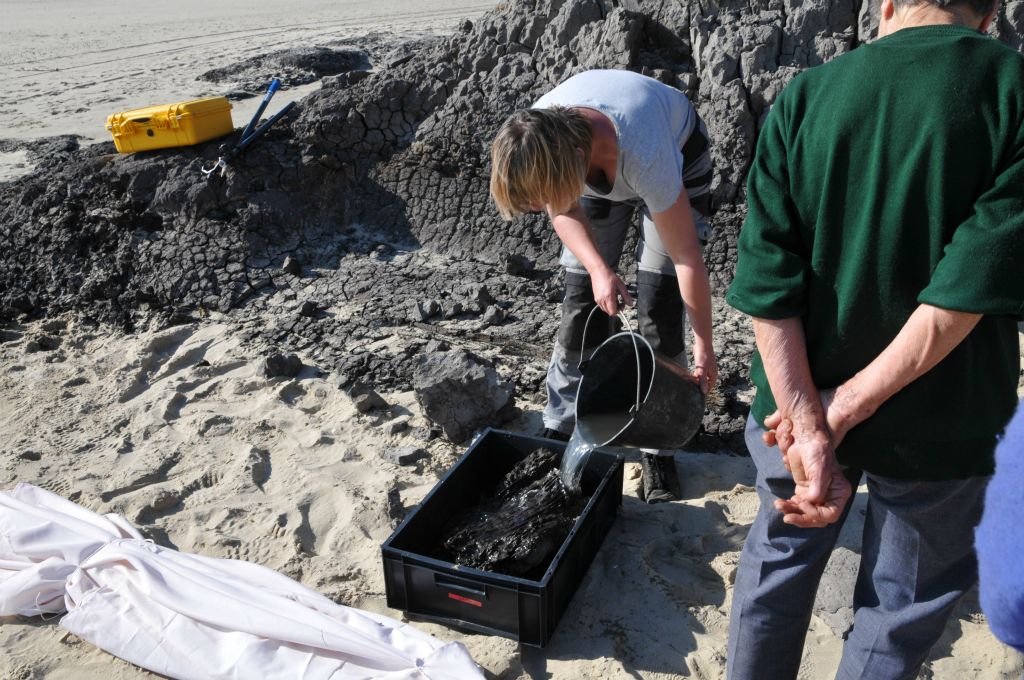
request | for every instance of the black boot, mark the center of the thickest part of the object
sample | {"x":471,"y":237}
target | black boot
{"x":558,"y":436}
{"x":660,"y":481}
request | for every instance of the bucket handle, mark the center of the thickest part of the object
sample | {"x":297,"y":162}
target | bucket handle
{"x":582,"y":366}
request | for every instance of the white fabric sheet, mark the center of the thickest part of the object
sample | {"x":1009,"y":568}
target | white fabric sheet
{"x":189,"y":616}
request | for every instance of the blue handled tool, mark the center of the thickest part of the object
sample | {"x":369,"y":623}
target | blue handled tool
{"x":251,"y":132}
{"x":275,"y":84}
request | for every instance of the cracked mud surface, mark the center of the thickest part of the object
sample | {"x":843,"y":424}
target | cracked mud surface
{"x":377,"y":187}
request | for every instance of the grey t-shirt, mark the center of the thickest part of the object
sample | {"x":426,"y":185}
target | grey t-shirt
{"x":652,"y":122}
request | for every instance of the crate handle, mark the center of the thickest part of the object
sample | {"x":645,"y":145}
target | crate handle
{"x":451,"y":584}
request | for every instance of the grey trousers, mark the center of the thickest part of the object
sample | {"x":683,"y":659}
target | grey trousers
{"x":917,"y":560}
{"x":660,"y":311}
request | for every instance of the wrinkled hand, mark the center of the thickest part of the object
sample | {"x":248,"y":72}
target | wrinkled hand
{"x":822,"y":490}
{"x":778,"y":431}
{"x":837,"y":420}
{"x":705,"y":367}
{"x":607,"y":289}
{"x":809,"y":458}
{"x":803,"y":513}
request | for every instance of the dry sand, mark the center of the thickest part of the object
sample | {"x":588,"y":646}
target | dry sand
{"x":178,"y":431}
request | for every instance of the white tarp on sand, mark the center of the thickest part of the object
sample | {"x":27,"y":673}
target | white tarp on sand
{"x":189,"y":616}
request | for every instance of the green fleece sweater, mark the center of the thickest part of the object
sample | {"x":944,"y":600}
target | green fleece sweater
{"x":889,"y":177}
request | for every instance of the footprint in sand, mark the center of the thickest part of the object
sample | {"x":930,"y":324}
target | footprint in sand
{"x":140,"y":470}
{"x":172,"y":408}
{"x":257,"y":467}
{"x":679,"y":567}
{"x":134,"y":378}
{"x":279,"y":529}
{"x":216,"y":426}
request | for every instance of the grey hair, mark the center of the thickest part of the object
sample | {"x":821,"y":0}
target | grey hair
{"x":979,"y":7}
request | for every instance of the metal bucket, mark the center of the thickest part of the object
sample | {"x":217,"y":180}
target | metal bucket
{"x":632,"y":396}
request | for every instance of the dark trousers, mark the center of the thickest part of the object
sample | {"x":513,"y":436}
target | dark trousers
{"x":917,"y":561}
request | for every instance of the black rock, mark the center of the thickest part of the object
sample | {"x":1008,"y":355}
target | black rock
{"x":405,"y":455}
{"x":291,"y":266}
{"x":42,"y":343}
{"x":282,"y":366}
{"x":425,"y":434}
{"x":451,"y":309}
{"x":369,"y":400}
{"x":518,"y":265}
{"x":23,"y":303}
{"x":478,"y":296}
{"x":494,"y":315}
{"x":459,"y":392}
{"x":422,"y":311}
{"x":435,"y":345}
{"x":395,"y":426}
{"x":393,"y":501}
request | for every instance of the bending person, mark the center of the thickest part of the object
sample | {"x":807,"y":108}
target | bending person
{"x":593,"y":151}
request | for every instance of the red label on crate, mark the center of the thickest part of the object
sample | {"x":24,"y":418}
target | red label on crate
{"x":460,"y":598}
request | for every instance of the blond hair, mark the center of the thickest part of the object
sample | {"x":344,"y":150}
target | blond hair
{"x":536,"y":159}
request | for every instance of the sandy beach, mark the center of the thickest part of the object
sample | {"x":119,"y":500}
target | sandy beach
{"x":122,"y":423}
{"x":178,"y":429}
{"x":71,"y":64}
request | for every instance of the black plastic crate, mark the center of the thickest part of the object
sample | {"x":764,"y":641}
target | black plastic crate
{"x":486,"y":602}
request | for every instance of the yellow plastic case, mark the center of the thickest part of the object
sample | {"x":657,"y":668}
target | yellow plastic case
{"x":181,"y":124}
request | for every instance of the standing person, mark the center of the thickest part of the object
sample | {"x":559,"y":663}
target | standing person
{"x":590,"y":152}
{"x":882,"y":260}
{"x":1000,"y":539}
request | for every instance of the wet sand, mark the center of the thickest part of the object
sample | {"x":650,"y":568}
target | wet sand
{"x":68,"y":64}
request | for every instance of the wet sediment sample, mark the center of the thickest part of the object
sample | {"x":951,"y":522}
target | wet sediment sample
{"x":525,"y":522}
